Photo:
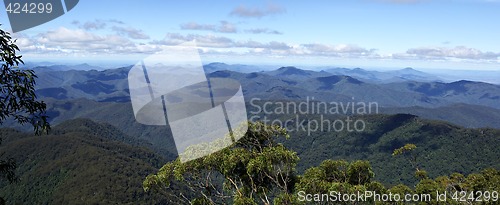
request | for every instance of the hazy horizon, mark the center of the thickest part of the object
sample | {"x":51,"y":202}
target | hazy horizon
{"x":446,"y":75}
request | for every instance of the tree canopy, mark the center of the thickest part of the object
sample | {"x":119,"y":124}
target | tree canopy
{"x":258,"y":170}
{"x":252,"y":170}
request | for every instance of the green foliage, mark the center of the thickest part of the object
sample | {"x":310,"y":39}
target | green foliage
{"x":335,"y":170}
{"x":339,"y":176}
{"x":17,"y":91}
{"x":7,"y":168}
{"x":488,"y":180}
{"x":360,"y":172}
{"x":428,"y":186}
{"x":400,"y":190}
{"x":404,"y":149}
{"x":315,"y":181}
{"x":249,"y":171}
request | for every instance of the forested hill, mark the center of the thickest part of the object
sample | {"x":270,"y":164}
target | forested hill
{"x":443,"y":148}
{"x":80,"y":162}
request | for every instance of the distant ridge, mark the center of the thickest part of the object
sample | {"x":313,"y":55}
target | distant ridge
{"x":218,"y":66}
{"x":406,"y":74}
{"x":400,"y":88}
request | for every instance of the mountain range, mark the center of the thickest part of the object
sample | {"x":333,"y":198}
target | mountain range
{"x":406,"y":74}
{"x":98,"y":153}
{"x":291,"y":83}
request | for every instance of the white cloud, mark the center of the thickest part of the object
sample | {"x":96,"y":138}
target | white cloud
{"x":197,"y":26}
{"x":227,"y":27}
{"x":24,"y":42}
{"x":247,"y":12}
{"x":64,"y":40}
{"x":337,"y":50}
{"x":459,"y":52}
{"x":201,"y":40}
{"x":223,"y":27}
{"x":94,"y":25}
{"x":263,"y":31}
{"x":79,"y":41}
{"x":67,"y":35}
{"x":97,"y":24}
{"x":211,"y":42}
{"x":130,"y":32}
{"x":91,"y":25}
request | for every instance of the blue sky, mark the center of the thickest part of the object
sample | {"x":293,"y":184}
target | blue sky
{"x":444,"y":34}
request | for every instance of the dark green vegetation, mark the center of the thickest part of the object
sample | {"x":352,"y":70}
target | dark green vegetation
{"x":119,"y":115}
{"x":259,"y":170}
{"x":85,"y":162}
{"x":81,"y":157}
{"x":102,"y":158}
{"x":80,"y":162}
{"x":464,"y":150}
{"x":466,"y":115}
{"x":444,"y":148}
